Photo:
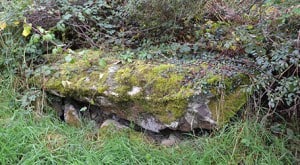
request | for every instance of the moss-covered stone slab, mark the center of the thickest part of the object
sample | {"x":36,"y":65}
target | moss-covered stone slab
{"x":153,"y":95}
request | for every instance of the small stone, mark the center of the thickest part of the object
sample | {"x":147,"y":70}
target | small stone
{"x":171,"y":141}
{"x":110,"y":122}
{"x":71,"y":115}
{"x":150,"y":123}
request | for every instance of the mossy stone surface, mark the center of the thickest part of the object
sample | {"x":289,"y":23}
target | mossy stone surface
{"x":140,"y":88}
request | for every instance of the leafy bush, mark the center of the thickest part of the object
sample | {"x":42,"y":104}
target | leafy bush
{"x":163,"y":13}
{"x":279,"y":75}
{"x":11,"y":41}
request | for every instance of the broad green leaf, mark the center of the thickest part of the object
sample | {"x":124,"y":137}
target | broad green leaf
{"x":35,"y":38}
{"x":48,"y":37}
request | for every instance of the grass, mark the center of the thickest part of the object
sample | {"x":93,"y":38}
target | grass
{"x":28,"y":139}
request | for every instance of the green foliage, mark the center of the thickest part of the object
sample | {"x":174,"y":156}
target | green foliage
{"x":13,"y":11}
{"x":165,"y":14}
{"x":29,"y":97}
{"x":127,"y":56}
{"x":11,"y":42}
{"x":80,"y":23}
{"x":280,"y":76}
{"x":21,"y":43}
{"x":273,"y":45}
{"x":11,"y":49}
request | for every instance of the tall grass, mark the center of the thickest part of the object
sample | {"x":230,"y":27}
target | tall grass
{"x":28,"y":139}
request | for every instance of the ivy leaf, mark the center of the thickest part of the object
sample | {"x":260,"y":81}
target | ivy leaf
{"x":61,"y":27}
{"x":26,"y":29}
{"x":41,"y":29}
{"x":185,"y":49}
{"x":48,"y":37}
{"x":66,"y":16}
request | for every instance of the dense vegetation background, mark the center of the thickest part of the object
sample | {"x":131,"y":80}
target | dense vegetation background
{"x":262,"y":36}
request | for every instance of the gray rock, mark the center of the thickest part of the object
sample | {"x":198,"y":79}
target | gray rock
{"x":71,"y":115}
{"x":150,"y":123}
{"x":110,"y":122}
{"x":171,"y":141}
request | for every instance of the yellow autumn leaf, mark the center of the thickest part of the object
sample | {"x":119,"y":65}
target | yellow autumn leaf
{"x":26,"y":30}
{"x":16,"y":23}
{"x":233,"y":47}
{"x":2,"y":25}
{"x":253,"y":8}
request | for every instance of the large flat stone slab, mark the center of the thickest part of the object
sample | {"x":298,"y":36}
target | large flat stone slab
{"x":153,"y":95}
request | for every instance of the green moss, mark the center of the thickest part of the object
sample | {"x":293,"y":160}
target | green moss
{"x":227,"y":100}
{"x":225,"y":107}
{"x":89,"y":84}
{"x":174,"y":110}
{"x":102,"y":89}
{"x":165,"y":111}
{"x":162,"y":80}
{"x":126,"y":80}
{"x":166,"y":98}
{"x":213,"y":79}
{"x":56,"y":85}
{"x":79,"y":78}
{"x":157,"y":81}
